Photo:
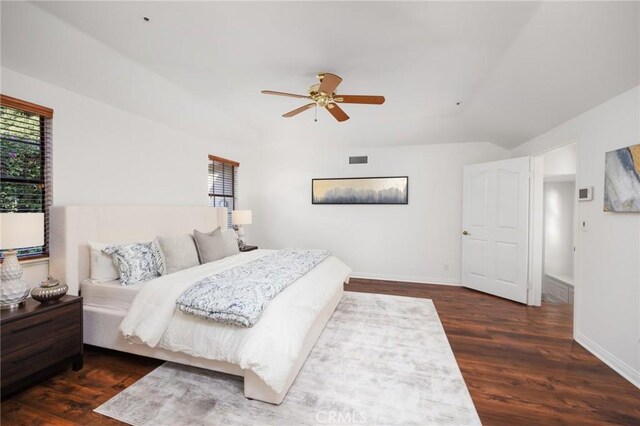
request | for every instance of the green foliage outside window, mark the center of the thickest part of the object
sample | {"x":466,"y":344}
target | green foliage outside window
{"x":21,"y":164}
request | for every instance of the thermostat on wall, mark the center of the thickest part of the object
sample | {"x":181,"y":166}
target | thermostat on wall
{"x":585,"y":194}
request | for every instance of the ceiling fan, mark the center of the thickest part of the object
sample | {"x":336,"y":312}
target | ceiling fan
{"x":324,"y":95}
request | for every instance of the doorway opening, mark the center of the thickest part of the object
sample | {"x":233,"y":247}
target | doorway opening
{"x":559,"y":216}
{"x":559,"y":223}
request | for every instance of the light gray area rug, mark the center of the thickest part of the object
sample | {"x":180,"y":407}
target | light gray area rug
{"x":381,"y":360}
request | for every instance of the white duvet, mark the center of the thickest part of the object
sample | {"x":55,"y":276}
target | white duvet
{"x":269,"y":348}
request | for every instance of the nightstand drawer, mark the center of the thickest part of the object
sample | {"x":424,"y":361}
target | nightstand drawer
{"x":19,"y":364}
{"x":38,"y":340}
{"x":28,"y":331}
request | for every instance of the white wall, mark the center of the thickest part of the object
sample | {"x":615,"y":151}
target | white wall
{"x":607,"y":306}
{"x":419,"y":242}
{"x":561,"y":161}
{"x":35,"y":271}
{"x":558,"y":228}
{"x":104,"y":155}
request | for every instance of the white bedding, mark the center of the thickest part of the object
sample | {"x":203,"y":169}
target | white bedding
{"x":269,"y":348}
{"x":109,"y":295}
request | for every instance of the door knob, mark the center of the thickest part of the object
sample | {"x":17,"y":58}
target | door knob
{"x":466,"y":233}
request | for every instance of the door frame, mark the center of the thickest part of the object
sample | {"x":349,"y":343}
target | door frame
{"x":536,"y":240}
{"x":536,"y":231}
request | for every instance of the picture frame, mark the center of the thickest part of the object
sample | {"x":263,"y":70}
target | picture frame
{"x":622,"y":180}
{"x":360,"y":190}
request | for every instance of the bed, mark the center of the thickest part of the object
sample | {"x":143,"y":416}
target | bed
{"x":292,"y":321}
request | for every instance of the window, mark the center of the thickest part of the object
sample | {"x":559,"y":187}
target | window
{"x":25,"y":162}
{"x":223,"y":184}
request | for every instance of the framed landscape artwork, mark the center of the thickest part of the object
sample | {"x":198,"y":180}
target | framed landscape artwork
{"x":365,"y":190}
{"x":622,"y":180}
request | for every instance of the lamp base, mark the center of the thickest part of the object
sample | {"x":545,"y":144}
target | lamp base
{"x":11,"y":306}
{"x":240,"y":236}
{"x":11,"y":268}
{"x":13,"y":291}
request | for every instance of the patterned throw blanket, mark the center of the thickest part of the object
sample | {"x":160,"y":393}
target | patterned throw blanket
{"x":239,"y":295}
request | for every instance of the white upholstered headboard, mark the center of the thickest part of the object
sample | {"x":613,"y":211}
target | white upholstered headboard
{"x":71,"y":227}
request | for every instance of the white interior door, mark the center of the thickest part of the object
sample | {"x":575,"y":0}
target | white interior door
{"x":495,"y":220}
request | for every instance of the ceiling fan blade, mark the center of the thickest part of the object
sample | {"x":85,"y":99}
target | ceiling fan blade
{"x":291,"y":95}
{"x":359,"y":99}
{"x":329,"y":83}
{"x":298,"y":110}
{"x":337,"y":112}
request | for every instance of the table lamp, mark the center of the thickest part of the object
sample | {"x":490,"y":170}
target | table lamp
{"x":17,"y":230}
{"x":239,"y":218}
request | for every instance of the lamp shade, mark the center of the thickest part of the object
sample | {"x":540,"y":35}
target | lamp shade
{"x":241,"y":217}
{"x":18,"y":230}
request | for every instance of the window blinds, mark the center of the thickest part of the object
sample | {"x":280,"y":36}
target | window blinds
{"x":223,"y":184}
{"x":25,"y":162}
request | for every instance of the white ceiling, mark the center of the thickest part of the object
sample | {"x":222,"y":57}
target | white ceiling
{"x":519,"y":68}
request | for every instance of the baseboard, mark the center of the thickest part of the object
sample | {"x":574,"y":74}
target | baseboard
{"x":608,"y":358}
{"x":406,"y":279}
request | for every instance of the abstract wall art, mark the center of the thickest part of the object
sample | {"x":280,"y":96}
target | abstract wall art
{"x":365,"y":190}
{"x":622,"y":180}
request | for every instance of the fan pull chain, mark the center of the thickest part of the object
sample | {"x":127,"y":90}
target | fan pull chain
{"x":315,"y":111}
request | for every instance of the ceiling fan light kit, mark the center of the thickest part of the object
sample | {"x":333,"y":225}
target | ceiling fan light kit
{"x":323,"y":94}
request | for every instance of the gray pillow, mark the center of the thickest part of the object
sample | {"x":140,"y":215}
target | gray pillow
{"x":215,"y":245}
{"x":177,"y":253}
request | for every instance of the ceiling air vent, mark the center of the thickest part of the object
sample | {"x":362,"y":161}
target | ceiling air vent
{"x":362,"y":159}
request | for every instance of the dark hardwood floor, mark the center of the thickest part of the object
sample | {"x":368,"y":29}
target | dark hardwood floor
{"x":520,"y":364}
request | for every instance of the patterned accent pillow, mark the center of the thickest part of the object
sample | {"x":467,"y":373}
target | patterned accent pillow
{"x":136,"y":262}
{"x":158,"y":257}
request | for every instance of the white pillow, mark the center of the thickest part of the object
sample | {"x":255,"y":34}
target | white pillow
{"x":102,"y":267}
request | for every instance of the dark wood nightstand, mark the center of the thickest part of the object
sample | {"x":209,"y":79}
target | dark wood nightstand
{"x":248,"y":248}
{"x":36,"y":339}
